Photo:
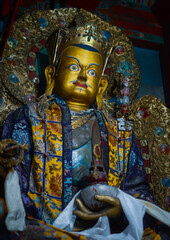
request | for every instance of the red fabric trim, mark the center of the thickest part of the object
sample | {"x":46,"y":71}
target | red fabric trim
{"x":32,"y":75}
{"x":30,"y":61}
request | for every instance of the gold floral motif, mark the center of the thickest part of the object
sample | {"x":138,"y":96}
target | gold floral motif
{"x":148,"y":170}
{"x":77,"y":122}
{"x":54,"y":168}
{"x":56,"y":185}
{"x":143,"y":143}
{"x":146,"y":156}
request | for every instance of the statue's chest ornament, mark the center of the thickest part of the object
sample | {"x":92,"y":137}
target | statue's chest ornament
{"x":82,"y":142}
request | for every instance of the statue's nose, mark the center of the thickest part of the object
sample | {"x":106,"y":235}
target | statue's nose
{"x":82,"y":75}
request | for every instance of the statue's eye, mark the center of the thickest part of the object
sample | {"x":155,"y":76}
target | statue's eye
{"x":92,"y":73}
{"x":74,"y":67}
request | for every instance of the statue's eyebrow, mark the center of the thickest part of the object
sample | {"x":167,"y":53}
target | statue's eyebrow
{"x":75,"y":59}
{"x":80,"y":63}
{"x":93,"y":64}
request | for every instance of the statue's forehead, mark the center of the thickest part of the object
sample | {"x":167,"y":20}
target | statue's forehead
{"x":81,"y":54}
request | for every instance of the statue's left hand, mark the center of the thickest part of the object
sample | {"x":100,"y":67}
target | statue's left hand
{"x":113,"y":212}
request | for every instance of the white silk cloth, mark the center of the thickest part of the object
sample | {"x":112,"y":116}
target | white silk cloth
{"x":133,"y":208}
{"x":15,"y":220}
{"x":157,"y":212}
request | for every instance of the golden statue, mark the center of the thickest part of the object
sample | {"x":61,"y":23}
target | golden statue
{"x":82,"y":149}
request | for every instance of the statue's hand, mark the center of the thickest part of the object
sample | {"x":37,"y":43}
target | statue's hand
{"x":114,"y":211}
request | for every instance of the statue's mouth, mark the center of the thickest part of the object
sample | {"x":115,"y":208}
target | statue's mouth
{"x":83,"y":85}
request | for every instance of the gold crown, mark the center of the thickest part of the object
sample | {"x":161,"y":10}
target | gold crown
{"x":78,"y":34}
{"x":87,"y":35}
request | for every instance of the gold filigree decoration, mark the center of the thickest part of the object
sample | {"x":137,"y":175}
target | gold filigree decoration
{"x":56,"y":185}
{"x":153,"y":127}
{"x":43,"y":104}
{"x":78,"y":121}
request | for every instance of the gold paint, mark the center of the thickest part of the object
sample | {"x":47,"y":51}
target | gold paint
{"x":49,"y":73}
{"x":114,"y":211}
{"x":75,"y":82}
{"x":78,"y":121}
{"x":159,"y":116}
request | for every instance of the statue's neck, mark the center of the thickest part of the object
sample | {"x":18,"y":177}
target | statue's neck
{"x":77,"y":107}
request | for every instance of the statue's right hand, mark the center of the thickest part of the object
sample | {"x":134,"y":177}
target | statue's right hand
{"x":113,"y":212}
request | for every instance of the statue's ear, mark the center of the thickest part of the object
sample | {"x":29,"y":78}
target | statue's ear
{"x":49,"y":74}
{"x":103,"y":83}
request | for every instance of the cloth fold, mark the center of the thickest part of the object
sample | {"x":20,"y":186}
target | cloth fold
{"x":157,"y":212}
{"x":15,"y":220}
{"x":133,"y":210}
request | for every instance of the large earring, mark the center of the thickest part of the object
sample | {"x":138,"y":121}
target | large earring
{"x":49,"y":74}
{"x":43,"y":100}
{"x":103,"y":83}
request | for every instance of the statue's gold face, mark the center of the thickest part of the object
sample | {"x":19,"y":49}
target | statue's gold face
{"x":77,"y":77}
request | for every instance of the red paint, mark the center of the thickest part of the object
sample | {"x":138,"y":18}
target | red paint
{"x":45,"y":154}
{"x":143,"y":112}
{"x":83,"y":85}
{"x":125,"y":108}
{"x":43,"y":120}
{"x":163,"y":148}
{"x":97,"y":150}
{"x":121,"y":174}
{"x":119,"y":50}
